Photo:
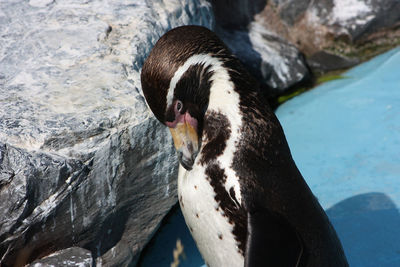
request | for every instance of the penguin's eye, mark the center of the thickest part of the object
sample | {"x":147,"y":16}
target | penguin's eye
{"x":178,"y":106}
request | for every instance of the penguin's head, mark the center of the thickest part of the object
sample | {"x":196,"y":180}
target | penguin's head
{"x":176,"y":80}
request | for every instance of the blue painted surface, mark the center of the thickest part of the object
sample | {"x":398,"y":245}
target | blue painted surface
{"x":345,"y":139}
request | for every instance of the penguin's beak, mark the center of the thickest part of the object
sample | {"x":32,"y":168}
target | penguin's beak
{"x":186,"y":140}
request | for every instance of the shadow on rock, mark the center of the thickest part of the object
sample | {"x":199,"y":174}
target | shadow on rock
{"x":368,"y":226}
{"x":110,"y":233}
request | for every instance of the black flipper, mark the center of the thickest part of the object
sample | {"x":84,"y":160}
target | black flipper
{"x":271,"y":241}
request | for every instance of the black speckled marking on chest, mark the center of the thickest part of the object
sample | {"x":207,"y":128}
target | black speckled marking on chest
{"x":236,"y":215}
{"x":217,"y":130}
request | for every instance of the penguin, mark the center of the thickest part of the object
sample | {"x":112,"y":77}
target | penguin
{"x":241,"y":194}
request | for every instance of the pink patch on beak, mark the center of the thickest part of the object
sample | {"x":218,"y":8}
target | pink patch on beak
{"x":192,"y":121}
{"x":171,"y":124}
{"x":183,"y":118}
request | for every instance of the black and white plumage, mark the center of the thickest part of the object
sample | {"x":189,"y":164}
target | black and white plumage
{"x":242,"y":196}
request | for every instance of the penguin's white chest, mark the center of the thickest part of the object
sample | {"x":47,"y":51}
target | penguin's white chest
{"x":205,"y":219}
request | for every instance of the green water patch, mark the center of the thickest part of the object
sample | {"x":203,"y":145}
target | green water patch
{"x":286,"y":97}
{"x":330,"y":77}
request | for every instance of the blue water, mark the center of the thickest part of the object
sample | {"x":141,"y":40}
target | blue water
{"x":345,"y":138}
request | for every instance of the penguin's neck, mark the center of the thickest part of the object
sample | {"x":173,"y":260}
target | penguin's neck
{"x":222,"y":125}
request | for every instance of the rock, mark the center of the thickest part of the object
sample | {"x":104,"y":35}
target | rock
{"x":354,"y":29}
{"x":290,"y":11}
{"x":269,"y":58}
{"x":270,"y":37}
{"x":323,"y":61}
{"x":236,"y":14}
{"x":277,"y":64}
{"x":355,"y":18}
{"x":82,"y":160}
{"x":69,"y":257}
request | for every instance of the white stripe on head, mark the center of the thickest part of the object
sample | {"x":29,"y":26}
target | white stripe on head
{"x":223,"y":99}
{"x":203,"y":59}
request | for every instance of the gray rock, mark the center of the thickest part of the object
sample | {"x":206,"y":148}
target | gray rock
{"x":277,"y":64}
{"x":290,"y":11}
{"x":340,"y":27}
{"x":236,"y":14}
{"x":82,"y":160}
{"x":69,"y":257}
{"x":323,"y":61}
{"x":271,"y":59}
{"x":268,"y":35}
{"x":355,"y":18}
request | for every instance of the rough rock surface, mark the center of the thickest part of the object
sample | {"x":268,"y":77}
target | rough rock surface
{"x":270,"y":37}
{"x":70,"y":257}
{"x":324,"y":61}
{"x":345,"y":28}
{"x":82,"y":160}
{"x":273,"y":60}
